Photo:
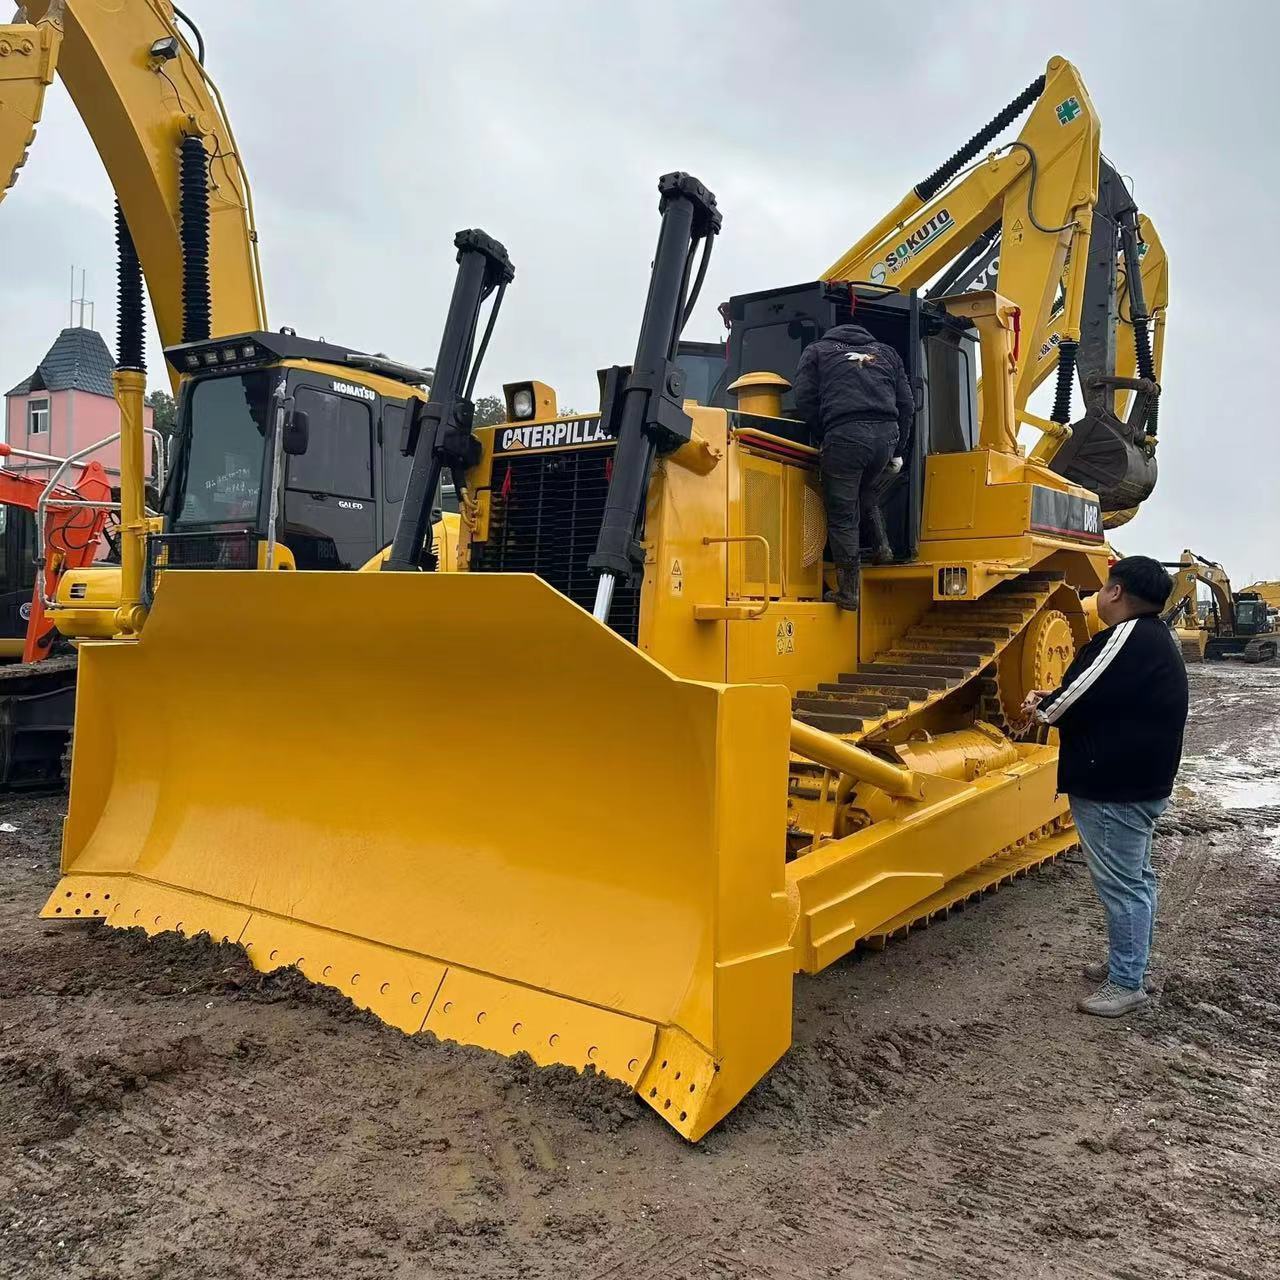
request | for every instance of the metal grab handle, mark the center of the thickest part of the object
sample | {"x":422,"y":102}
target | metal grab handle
{"x":768,"y":562}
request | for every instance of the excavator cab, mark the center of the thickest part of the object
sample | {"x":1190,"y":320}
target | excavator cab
{"x":1252,"y":617}
{"x":17,"y":576}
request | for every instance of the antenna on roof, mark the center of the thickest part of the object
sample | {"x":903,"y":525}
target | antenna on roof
{"x":80,"y":302}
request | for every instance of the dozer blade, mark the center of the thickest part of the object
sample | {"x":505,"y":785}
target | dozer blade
{"x":462,"y":802}
{"x":28,"y":57}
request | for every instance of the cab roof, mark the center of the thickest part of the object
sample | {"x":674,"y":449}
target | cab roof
{"x":241,"y":350}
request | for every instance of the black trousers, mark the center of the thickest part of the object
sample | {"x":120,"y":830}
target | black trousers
{"x":852,"y":458}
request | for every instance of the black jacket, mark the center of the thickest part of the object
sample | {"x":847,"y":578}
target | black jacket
{"x":846,"y":376}
{"x":1121,"y":712}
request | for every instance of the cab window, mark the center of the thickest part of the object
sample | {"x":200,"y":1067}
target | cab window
{"x":339,"y":456}
{"x":395,"y":465}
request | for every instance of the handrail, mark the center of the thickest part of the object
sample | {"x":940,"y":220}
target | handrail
{"x":47,"y":500}
{"x":768,"y":568}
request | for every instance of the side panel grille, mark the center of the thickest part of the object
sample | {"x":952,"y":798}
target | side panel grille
{"x":207,"y":549}
{"x":546,"y":514}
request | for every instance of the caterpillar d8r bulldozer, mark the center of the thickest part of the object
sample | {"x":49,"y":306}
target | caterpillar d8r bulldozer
{"x":710,"y":779}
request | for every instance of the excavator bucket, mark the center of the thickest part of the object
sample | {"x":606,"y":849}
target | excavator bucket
{"x":461,"y":801}
{"x":28,"y":57}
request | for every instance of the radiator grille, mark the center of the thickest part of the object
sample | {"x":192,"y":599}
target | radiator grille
{"x":546,"y":514}
{"x":762,"y":500}
{"x":207,"y":549}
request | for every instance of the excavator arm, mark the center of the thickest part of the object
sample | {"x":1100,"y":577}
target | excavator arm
{"x":1155,"y":282}
{"x":1191,"y":571}
{"x":142,"y":93}
{"x":1036,"y":195}
{"x":28,"y":55}
{"x":1048,"y":222}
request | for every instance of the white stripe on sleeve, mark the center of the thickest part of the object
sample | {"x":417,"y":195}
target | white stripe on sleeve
{"x":1088,"y":677}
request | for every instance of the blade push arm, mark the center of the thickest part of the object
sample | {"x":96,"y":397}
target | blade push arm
{"x":141,"y":90}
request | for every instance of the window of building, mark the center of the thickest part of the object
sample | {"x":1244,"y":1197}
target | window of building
{"x":37,"y":416}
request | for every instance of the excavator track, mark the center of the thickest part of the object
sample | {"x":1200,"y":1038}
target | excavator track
{"x":33,"y":747}
{"x":1263,"y":649}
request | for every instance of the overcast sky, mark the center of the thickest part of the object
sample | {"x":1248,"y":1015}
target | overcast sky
{"x":372,"y":133}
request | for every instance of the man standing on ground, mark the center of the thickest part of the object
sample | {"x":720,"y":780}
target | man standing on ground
{"x":1121,"y":712}
{"x":853,"y":395}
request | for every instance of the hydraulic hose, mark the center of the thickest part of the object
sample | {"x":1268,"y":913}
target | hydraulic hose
{"x":939,"y":178}
{"x":195,"y":31}
{"x":193,"y":197}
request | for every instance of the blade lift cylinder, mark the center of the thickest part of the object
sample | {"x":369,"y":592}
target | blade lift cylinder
{"x":647,"y":405}
{"x":438,"y":431}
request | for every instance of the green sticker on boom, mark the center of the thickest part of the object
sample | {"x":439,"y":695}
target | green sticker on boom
{"x":1068,"y":110}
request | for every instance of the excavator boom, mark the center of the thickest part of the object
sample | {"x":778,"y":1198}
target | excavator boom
{"x":143,"y":94}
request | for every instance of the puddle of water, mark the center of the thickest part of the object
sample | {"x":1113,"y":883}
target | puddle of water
{"x":1232,"y":783}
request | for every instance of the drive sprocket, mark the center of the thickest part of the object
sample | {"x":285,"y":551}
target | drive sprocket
{"x":1036,"y":659}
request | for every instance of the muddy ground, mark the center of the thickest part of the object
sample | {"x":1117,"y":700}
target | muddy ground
{"x":166,"y":1112}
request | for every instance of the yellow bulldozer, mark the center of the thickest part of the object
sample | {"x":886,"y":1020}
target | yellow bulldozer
{"x":665,"y":775}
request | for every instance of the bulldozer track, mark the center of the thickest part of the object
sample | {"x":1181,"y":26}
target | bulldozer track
{"x":953,"y":645}
{"x":16,"y":672}
{"x":1006,"y":867}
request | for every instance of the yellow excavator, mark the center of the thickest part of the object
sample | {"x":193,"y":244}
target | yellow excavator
{"x":1049,"y":222}
{"x":184,"y":217}
{"x":707,"y":777}
{"x":1235,"y":625}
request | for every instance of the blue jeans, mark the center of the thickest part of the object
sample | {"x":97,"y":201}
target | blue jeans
{"x":1117,"y":845}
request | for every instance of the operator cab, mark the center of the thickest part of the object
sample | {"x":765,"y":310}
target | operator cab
{"x":770,"y":329}
{"x":1251,"y":616}
{"x":17,"y":576}
{"x":323,"y":426}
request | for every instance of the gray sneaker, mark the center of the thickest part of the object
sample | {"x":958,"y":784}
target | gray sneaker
{"x":1100,"y":971}
{"x":1111,"y":1001}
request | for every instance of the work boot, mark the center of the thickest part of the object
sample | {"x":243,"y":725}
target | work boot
{"x":882,"y":552}
{"x":1111,"y":1001}
{"x":1100,"y":971}
{"x":847,"y":584}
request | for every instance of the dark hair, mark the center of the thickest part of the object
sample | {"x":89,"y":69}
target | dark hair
{"x":1144,"y":579}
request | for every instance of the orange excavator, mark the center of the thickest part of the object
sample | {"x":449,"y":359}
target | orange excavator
{"x":46,"y":527}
